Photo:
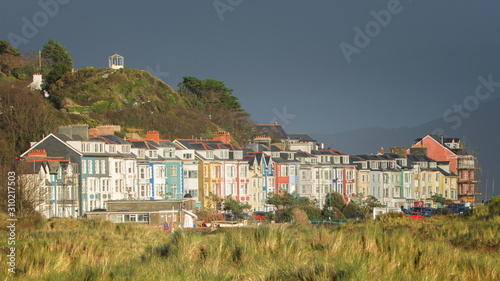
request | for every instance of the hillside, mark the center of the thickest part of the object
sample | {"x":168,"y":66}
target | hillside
{"x":131,"y":98}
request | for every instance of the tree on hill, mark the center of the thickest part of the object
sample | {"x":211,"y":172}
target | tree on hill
{"x":54,"y":53}
{"x":10,"y":58}
{"x":56,"y":59}
{"x":6,"y":48}
{"x":218,"y":103}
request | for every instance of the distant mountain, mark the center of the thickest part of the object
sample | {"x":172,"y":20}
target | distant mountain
{"x":480,"y":130}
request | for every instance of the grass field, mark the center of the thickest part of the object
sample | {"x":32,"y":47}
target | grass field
{"x":438,"y":248}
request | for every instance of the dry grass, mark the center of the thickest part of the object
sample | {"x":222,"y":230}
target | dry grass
{"x":300,"y":217}
{"x":441,"y":248}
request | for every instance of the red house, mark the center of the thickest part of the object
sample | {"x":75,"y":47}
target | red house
{"x":462,"y":162}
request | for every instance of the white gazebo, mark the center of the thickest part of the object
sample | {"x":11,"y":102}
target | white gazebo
{"x":116,"y":61}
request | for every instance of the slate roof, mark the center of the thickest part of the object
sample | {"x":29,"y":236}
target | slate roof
{"x":327,"y":152}
{"x":275,"y":131}
{"x":300,"y":137}
{"x":303,"y":154}
{"x":112,"y":139}
{"x":145,"y":144}
{"x":63,"y":137}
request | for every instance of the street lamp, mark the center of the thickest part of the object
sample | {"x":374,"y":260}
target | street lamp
{"x":430,"y":192}
{"x":441,"y":199}
{"x":330,"y":206}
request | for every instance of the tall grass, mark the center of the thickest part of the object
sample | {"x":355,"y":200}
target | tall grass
{"x":393,"y":248}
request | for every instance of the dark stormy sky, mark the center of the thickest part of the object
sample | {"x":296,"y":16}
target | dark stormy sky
{"x":283,"y":58}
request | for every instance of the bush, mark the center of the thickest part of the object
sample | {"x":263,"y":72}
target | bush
{"x":300,"y":217}
{"x":390,"y":216}
{"x":444,"y":212}
{"x":351,"y":209}
{"x":494,"y":206}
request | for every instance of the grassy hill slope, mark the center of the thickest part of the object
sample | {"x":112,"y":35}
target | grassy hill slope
{"x":131,"y":98}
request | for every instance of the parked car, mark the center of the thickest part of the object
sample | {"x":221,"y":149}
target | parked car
{"x":416,"y":215}
{"x":407,"y":212}
{"x":462,"y":211}
{"x":426,"y":214}
{"x":229,"y":217}
{"x":260,"y":216}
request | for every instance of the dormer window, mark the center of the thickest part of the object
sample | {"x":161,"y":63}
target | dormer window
{"x":239,"y":155}
{"x":187,"y":156}
{"x":210,"y":155}
{"x":224,"y":154}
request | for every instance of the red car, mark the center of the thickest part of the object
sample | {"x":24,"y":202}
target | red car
{"x":260,"y":216}
{"x":416,"y":215}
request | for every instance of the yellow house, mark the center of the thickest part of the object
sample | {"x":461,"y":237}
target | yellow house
{"x":209,"y":183}
{"x":448,"y":184}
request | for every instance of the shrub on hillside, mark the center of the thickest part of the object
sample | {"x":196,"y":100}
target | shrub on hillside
{"x":494,"y":206}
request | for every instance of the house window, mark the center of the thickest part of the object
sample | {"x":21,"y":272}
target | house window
{"x":103,"y":167}
{"x":174,"y":189}
{"x":173,"y":171}
{"x":142,"y":175}
{"x":84,"y":166}
{"x":284,"y":171}
{"x":243,"y":172}
{"x":437,"y":177}
{"x":90,"y":166}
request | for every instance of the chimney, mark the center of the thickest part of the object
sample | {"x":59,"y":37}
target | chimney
{"x":399,"y":150}
{"x":418,"y":151}
{"x":37,"y":153}
{"x":221,"y":136}
{"x":153,"y":135}
{"x":93,"y":132}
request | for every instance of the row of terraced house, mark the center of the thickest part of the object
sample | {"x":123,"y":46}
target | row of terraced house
{"x":78,"y":170}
